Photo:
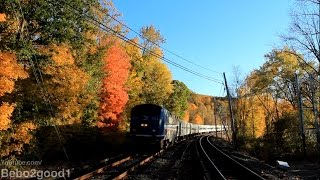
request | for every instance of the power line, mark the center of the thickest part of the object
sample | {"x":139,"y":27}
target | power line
{"x":126,"y":39}
{"x":159,"y":45}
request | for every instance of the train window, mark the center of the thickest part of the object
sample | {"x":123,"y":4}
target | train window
{"x":146,"y":110}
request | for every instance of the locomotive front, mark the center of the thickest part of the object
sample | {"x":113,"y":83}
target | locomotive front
{"x":147,"y":123}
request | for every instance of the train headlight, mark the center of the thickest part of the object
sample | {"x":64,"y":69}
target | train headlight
{"x":153,"y":130}
{"x":144,"y":125}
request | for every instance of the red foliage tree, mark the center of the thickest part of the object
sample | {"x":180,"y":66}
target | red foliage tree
{"x":114,"y":95}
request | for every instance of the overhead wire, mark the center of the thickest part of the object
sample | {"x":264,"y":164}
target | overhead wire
{"x":126,"y":39}
{"x":165,"y":49}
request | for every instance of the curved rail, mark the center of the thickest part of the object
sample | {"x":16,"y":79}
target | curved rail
{"x":222,"y":165}
{"x":242,"y":168}
{"x":214,"y":169}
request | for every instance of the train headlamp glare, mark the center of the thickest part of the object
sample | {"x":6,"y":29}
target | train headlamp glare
{"x":144,"y":125}
{"x":153,"y":130}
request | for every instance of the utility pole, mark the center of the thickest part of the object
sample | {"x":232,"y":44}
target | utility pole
{"x":222,"y":125}
{"x":315,"y":109}
{"x":300,"y":114}
{"x":215,"y":116}
{"x":234,"y":136}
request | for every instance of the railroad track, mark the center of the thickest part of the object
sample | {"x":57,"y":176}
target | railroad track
{"x":219,"y":165}
{"x":102,"y":168}
{"x":118,"y":169}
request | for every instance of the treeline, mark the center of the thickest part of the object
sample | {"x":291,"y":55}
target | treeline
{"x":267,"y":113}
{"x":61,"y":68}
{"x":265,"y":102}
{"x":204,"y":109}
{"x":266,"y":105}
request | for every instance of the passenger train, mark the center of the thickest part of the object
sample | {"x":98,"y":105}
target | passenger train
{"x":154,"y":124}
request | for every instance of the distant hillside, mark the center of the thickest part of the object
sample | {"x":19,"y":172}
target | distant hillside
{"x":202,"y":108}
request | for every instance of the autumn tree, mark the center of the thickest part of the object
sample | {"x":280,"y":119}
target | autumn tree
{"x":135,"y":81}
{"x":30,"y":26}
{"x":65,"y":84}
{"x":157,"y":80}
{"x":11,"y":71}
{"x":114,"y":95}
{"x":277,"y":75}
{"x":60,"y":52}
{"x":2,"y":17}
{"x":13,"y":136}
{"x":151,"y":38}
{"x":156,"y":77}
{"x":304,"y":38}
{"x":267,"y":101}
{"x":178,"y":100}
{"x":264,"y":89}
{"x":44,"y":22}
{"x":202,"y":109}
{"x":149,"y":78}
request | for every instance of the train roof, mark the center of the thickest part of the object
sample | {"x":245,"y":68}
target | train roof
{"x":147,"y":104}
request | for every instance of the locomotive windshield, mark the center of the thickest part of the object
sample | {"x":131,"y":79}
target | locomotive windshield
{"x":146,"y":112}
{"x":145,"y":119}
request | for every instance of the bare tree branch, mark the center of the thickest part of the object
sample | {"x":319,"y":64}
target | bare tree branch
{"x":304,"y":33}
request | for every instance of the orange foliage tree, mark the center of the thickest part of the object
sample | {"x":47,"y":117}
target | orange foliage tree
{"x":198,"y":119}
{"x":2,"y":17}
{"x":201,"y":109}
{"x":114,"y":95}
{"x":6,"y":110}
{"x":13,"y":136}
{"x":10,"y":72}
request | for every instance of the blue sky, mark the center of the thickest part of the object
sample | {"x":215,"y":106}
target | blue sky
{"x":215,"y":34}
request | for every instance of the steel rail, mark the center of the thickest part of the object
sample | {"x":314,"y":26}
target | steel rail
{"x":140,"y":163}
{"x":217,"y":172}
{"x":102,"y":169}
{"x":240,"y":167}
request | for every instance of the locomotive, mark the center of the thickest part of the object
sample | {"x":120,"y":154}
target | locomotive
{"x":153,"y":124}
